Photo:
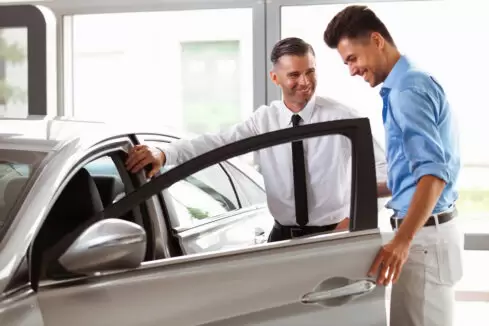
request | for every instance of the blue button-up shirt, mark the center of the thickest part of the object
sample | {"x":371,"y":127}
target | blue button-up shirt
{"x":421,"y":137}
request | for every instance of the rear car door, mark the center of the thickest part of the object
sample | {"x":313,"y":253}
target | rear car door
{"x":319,"y":280}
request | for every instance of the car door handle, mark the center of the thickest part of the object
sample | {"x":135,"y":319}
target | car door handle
{"x":357,"y":288}
{"x":259,"y":236}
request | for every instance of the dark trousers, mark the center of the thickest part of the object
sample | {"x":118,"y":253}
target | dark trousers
{"x":281,"y":232}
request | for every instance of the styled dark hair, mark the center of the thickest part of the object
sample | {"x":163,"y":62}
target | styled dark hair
{"x":354,"y":22}
{"x":290,"y":46}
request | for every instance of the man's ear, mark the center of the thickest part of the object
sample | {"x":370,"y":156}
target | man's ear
{"x":378,"y":40}
{"x":274,"y":77}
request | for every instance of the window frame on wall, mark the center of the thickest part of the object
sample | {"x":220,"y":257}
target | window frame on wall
{"x":35,"y":20}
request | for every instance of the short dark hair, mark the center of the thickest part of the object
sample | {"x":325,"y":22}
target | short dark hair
{"x":354,"y":22}
{"x":290,"y":46}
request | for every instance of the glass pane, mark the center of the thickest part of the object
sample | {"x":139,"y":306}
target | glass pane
{"x":16,"y":168}
{"x":13,"y":72}
{"x":186,"y":69}
{"x":203,"y":195}
{"x":249,"y":192}
{"x":431,"y":44}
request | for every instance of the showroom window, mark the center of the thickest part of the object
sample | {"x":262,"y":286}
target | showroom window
{"x":174,"y":67}
{"x":210,"y":84}
{"x":13,"y":72}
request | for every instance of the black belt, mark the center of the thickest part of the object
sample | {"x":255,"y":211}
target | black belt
{"x":300,"y":231}
{"x":442,"y":218}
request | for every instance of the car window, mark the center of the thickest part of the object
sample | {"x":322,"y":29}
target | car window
{"x":93,"y":187}
{"x":203,"y":195}
{"x":16,"y":167}
{"x":249,"y":192}
{"x":107,"y":178}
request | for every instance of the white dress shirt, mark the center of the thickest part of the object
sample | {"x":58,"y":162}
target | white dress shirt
{"x":328,"y":160}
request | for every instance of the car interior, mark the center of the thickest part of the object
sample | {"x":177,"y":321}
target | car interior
{"x":78,"y":202}
{"x":84,"y":196}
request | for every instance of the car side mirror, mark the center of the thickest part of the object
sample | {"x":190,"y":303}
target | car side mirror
{"x":107,"y":245}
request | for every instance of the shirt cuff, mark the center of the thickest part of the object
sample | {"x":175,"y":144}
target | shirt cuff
{"x":168,"y":156}
{"x":435,"y":169}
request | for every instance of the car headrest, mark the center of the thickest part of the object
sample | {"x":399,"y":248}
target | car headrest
{"x":78,"y":202}
{"x":109,"y":187}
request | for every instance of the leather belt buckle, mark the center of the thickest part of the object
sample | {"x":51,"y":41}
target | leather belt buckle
{"x":296,"y":232}
{"x":395,"y":222}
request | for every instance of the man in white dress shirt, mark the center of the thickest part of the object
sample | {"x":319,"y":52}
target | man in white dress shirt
{"x":327,"y":160}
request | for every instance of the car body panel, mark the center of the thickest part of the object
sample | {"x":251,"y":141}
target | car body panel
{"x":20,"y":308}
{"x":253,"y":286}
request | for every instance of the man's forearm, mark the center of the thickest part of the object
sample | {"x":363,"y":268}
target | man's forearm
{"x":382,"y":190}
{"x":428,"y":191}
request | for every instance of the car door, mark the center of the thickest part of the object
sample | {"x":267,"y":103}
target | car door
{"x":319,"y":280}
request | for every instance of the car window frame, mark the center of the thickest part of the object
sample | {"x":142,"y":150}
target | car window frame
{"x":363,"y":199}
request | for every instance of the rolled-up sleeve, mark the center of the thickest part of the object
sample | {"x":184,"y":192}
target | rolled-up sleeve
{"x":417,"y":116}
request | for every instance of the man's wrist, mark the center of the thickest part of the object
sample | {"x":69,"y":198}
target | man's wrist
{"x":404,"y":235}
{"x":162,"y":156}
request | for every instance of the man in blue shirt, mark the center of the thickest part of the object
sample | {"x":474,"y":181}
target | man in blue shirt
{"x":423,"y":260}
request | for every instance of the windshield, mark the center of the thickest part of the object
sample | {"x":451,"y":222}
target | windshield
{"x":16,"y":167}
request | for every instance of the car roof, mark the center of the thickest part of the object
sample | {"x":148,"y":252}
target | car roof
{"x":42,"y":133}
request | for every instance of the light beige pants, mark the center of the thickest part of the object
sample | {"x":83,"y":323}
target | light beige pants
{"x":424,"y":294}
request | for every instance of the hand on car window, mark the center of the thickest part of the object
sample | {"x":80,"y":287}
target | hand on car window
{"x":141,"y":155}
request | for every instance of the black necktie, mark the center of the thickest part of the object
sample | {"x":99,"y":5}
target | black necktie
{"x":299,"y":170}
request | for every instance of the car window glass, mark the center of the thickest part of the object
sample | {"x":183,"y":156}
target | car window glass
{"x":205,"y":194}
{"x":249,"y":192}
{"x":16,"y":167}
{"x":88,"y":192}
{"x":107,"y":178}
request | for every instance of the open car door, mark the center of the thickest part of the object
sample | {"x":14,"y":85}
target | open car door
{"x":320,"y":280}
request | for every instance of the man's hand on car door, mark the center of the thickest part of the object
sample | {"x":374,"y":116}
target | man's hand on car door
{"x":141,"y":155}
{"x":343,"y":225}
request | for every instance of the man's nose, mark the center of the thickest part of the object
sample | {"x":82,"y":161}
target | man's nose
{"x":353,"y":70}
{"x":304,"y":80}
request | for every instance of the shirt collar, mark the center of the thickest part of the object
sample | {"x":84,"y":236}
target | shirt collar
{"x":305,"y":113}
{"x":402,"y":65}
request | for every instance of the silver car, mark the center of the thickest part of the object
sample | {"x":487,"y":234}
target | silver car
{"x":84,"y":242}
